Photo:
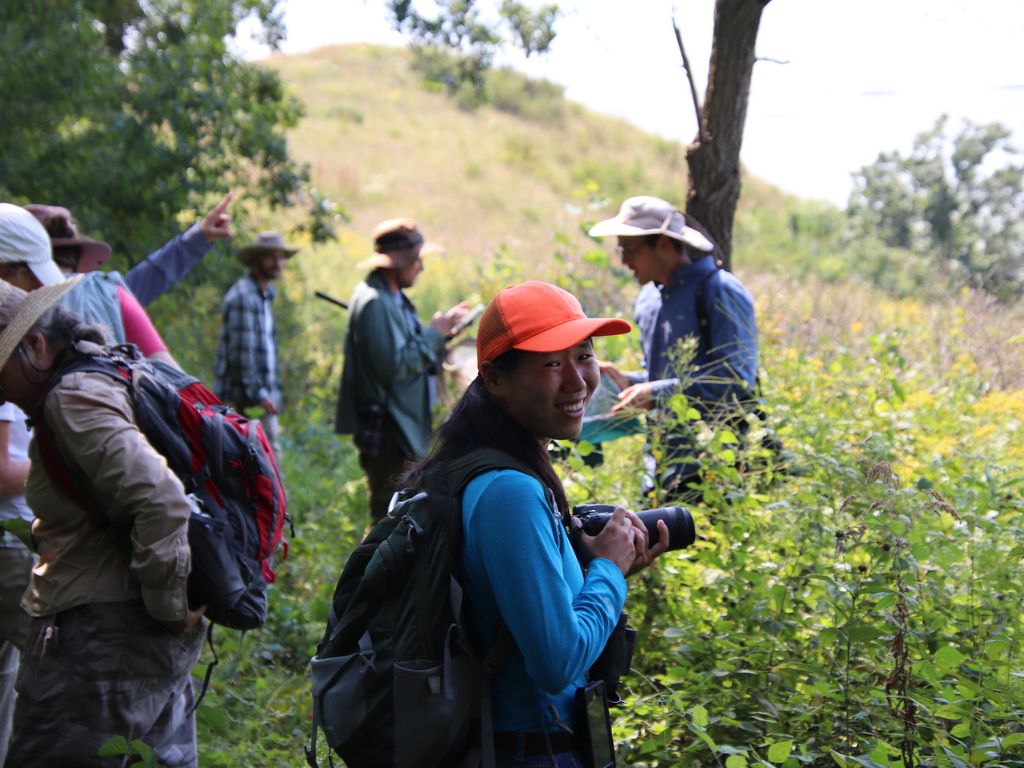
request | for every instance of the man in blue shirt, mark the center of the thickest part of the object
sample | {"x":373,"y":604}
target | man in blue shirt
{"x":683,"y":295}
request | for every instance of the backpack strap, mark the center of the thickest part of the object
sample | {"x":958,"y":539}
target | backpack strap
{"x":462,"y":470}
{"x":459,"y":474}
{"x":703,"y":315}
{"x":63,"y":468}
{"x":704,"y":322}
{"x":68,"y":475}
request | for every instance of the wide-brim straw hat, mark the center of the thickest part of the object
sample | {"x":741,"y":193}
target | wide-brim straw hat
{"x":19,"y":311}
{"x":265,"y":242}
{"x":645,"y":215}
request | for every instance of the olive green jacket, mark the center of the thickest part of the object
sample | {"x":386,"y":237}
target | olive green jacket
{"x":388,"y":362}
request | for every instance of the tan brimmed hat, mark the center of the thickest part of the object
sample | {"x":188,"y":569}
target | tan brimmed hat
{"x":19,"y":311}
{"x":398,"y":242}
{"x":265,"y":241}
{"x":646,"y":215}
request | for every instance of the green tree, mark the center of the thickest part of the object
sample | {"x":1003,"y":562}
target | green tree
{"x":959,"y":201}
{"x":457,"y":46}
{"x":131,"y":113}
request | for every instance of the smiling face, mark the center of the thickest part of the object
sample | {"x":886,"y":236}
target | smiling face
{"x":546,"y":392}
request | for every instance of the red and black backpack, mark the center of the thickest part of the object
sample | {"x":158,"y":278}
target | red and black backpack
{"x":227,"y":466}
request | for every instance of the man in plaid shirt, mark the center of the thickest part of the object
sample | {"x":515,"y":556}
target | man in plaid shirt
{"x":246,"y":371}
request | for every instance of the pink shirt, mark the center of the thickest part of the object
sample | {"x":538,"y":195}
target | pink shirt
{"x":138,"y":328}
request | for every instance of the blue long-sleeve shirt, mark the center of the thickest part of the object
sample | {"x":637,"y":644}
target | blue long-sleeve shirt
{"x":518,"y":564}
{"x":165,"y":266}
{"x":726,"y":363}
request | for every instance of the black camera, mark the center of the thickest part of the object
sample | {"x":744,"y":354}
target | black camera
{"x":681,"y":532}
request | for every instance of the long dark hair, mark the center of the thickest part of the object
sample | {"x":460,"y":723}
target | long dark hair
{"x":477,"y":421}
{"x":62,"y":331}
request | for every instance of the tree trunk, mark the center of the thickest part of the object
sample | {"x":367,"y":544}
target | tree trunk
{"x":714,"y":158}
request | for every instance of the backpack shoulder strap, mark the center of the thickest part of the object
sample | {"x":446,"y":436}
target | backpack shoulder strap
{"x":63,"y":468}
{"x":703,"y":314}
{"x":462,"y":470}
{"x":704,"y":320}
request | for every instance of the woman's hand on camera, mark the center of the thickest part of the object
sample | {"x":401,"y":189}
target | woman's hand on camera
{"x":616,"y":541}
{"x":644,"y":554}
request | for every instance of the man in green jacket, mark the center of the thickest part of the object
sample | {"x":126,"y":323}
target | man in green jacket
{"x":388,"y":384}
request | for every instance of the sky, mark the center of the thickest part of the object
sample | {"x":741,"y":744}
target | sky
{"x":837,"y":81}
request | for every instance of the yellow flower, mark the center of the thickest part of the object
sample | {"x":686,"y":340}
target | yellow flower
{"x":919,"y":399}
{"x":1002,"y":404}
{"x":985,"y":430}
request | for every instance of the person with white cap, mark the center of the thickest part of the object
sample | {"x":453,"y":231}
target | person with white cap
{"x":246,"y":371}
{"x":388,"y":383}
{"x":684,"y":295}
{"x":112,"y":638}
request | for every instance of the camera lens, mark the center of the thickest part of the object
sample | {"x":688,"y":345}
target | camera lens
{"x":681,"y":530}
{"x":679,"y":521}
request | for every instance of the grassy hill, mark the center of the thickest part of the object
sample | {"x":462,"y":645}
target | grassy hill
{"x":497,"y":179}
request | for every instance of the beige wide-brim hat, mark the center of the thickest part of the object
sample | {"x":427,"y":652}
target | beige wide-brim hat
{"x":645,"y":215}
{"x":19,"y":311}
{"x":265,"y":242}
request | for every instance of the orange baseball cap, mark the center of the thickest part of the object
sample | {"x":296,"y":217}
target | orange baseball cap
{"x":538,"y":317}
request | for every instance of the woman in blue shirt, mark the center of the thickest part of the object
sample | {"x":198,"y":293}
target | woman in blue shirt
{"x":537,"y":371}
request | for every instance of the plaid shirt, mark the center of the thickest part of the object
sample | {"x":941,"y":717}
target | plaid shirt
{"x":246,"y":371}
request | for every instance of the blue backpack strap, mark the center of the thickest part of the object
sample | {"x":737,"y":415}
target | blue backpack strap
{"x":703,"y":314}
{"x":704,"y":321}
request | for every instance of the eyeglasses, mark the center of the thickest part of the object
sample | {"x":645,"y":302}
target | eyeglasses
{"x":628,"y":254}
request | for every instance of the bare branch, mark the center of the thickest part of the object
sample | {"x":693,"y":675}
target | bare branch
{"x":693,"y":87}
